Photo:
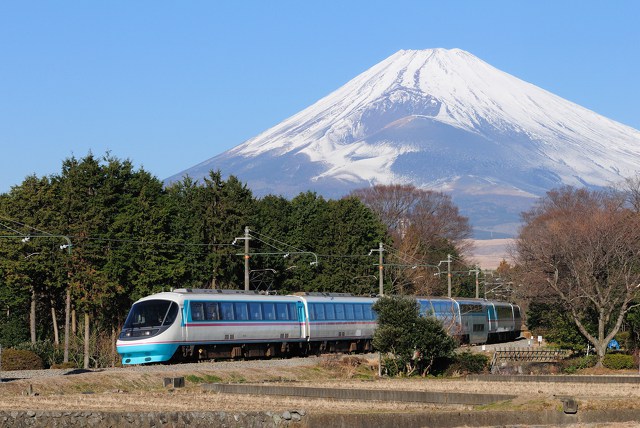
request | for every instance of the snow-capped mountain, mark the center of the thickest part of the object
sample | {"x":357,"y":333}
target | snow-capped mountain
{"x":439,"y":119}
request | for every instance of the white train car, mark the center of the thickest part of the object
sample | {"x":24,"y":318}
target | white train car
{"x":339,"y":322}
{"x":187,"y":324}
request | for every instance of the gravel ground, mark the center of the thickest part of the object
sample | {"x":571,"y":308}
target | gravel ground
{"x":160,"y":368}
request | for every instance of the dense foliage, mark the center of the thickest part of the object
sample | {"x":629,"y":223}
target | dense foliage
{"x":131,"y":236}
{"x":411,"y":343}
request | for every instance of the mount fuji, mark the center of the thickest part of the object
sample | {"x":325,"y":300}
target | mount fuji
{"x":443,"y":120}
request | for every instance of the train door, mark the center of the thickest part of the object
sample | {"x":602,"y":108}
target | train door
{"x":302,"y":319}
{"x":492,"y":317}
{"x":184,"y":323}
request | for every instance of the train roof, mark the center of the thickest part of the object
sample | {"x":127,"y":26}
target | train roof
{"x":180,"y":294}
{"x":344,"y":298}
{"x":464,"y":300}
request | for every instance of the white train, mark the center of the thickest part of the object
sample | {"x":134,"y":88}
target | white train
{"x":188,"y":324}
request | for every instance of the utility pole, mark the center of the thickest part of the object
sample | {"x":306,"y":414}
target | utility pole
{"x":381,"y":280}
{"x":246,"y":239}
{"x":380,"y":250}
{"x":246,"y":258}
{"x":477,"y":284}
{"x":449,"y":275}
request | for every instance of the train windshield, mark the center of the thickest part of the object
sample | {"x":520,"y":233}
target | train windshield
{"x":151,"y":313}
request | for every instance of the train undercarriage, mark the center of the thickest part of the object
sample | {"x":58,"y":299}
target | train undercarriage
{"x":243,"y":351}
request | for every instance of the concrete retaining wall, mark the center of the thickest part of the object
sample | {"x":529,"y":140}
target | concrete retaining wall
{"x":471,"y":419}
{"x":555,"y":378}
{"x":360,"y":394}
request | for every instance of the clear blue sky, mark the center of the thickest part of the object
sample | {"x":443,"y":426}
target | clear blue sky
{"x":169,"y":84}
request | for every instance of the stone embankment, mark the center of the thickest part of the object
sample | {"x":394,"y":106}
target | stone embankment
{"x":33,"y":419}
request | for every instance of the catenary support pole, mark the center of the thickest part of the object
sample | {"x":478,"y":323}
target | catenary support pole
{"x":449,"y":275}
{"x":246,"y":258}
{"x":381,"y":267}
{"x":477,"y":284}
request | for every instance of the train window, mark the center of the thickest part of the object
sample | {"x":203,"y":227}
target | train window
{"x":319,"y":311}
{"x":197,"y":311}
{"x":241,"y":311}
{"x":359,"y":314}
{"x":255,"y":311}
{"x":425,"y":308}
{"x":470,"y":308}
{"x":339,"y":311}
{"x":292,"y":311}
{"x":447,"y":309}
{"x":478,"y":327}
{"x":171,"y":314}
{"x":516,"y":311}
{"x":269,"y":311}
{"x":438,"y":307}
{"x":330,"y":311}
{"x":149,"y":313}
{"x":312,"y":312}
{"x":283,"y":313}
{"x":368,"y":314}
{"x":226,"y":309}
{"x":504,"y":312}
{"x":348,"y":311}
{"x":211,"y":311}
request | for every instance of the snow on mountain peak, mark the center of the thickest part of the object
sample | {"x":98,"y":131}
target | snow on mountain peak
{"x":438,"y":118}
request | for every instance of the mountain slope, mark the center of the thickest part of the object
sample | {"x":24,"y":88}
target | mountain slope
{"x":440,"y":119}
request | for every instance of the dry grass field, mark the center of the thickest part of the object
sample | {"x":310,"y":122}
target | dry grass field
{"x":137,"y":389}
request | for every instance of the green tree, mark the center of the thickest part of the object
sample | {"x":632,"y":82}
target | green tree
{"x":412,"y":342}
{"x":351,"y":230}
{"x":33,"y":266}
{"x":551,"y":320}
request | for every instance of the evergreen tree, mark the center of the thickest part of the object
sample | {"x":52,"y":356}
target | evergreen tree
{"x":412,"y":343}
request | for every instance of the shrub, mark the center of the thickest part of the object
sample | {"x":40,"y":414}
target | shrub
{"x":45,"y":349}
{"x":618,"y":361}
{"x":572,"y":365}
{"x":411,"y":343}
{"x":624,"y":339}
{"x":467,"y":362}
{"x":20,"y":359}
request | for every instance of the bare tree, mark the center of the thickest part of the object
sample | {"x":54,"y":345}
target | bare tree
{"x":405,"y":207}
{"x":582,"y":249}
{"x":425,"y":226}
{"x":631,"y":187}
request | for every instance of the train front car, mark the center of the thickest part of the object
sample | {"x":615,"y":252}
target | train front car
{"x":150,"y":330}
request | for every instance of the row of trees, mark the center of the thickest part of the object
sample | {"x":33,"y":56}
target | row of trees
{"x":578,"y":252}
{"x":131,"y":236}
